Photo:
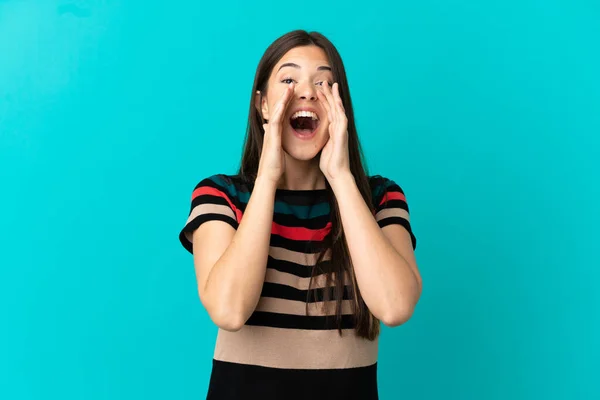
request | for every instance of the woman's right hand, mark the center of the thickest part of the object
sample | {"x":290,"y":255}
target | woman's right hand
{"x":272,"y":162}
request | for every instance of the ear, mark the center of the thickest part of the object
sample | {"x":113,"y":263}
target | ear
{"x":261,"y":104}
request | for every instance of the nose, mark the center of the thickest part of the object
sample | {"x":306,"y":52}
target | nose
{"x":306,"y":91}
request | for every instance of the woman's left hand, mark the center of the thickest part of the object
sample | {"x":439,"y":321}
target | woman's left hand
{"x":334,"y":161}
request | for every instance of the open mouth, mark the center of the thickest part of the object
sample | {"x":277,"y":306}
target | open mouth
{"x":304,"y":122}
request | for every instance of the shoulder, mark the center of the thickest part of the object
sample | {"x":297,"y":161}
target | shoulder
{"x":381,"y":184}
{"x":386,"y":192}
{"x":391,"y":206}
{"x":230,"y":185}
{"x":215,"y":197}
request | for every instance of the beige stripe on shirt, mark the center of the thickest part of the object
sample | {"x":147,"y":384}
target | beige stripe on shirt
{"x":295,"y":348}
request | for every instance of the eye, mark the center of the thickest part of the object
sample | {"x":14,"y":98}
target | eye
{"x":321,"y":83}
{"x":287,"y":80}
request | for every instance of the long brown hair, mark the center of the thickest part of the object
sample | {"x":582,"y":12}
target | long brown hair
{"x":340,"y":267}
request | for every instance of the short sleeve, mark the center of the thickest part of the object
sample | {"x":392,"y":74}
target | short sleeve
{"x":213,"y":199}
{"x":391,"y":206}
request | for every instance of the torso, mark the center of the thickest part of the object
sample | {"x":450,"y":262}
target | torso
{"x":285,"y":351}
{"x":282,"y":352}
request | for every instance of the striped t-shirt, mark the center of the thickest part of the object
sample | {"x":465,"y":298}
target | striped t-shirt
{"x":281,"y":352}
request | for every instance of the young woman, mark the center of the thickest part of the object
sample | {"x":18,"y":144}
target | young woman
{"x":301,"y":254}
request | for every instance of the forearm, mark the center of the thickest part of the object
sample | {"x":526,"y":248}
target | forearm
{"x":235,"y":282}
{"x":386,"y":281}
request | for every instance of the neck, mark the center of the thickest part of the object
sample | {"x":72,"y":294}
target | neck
{"x":301,"y":175}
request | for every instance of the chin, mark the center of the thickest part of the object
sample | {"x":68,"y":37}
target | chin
{"x":302,"y":149}
{"x":302,"y":155}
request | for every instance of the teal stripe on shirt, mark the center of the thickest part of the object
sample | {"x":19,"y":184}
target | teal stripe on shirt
{"x":305,"y":212}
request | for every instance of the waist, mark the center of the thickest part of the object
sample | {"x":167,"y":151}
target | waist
{"x":237,"y":381}
{"x":295,"y":348}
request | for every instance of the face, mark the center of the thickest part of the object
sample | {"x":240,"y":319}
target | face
{"x":305,"y":127}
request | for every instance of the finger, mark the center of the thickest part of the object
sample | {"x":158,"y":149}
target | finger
{"x":267,"y":135}
{"x":323,"y":101}
{"x":283,"y":103}
{"x":324,"y":104}
{"x":342,"y":117}
{"x":330,"y":100}
{"x":338,"y":98}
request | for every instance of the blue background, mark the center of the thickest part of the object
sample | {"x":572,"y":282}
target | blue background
{"x":486,"y":113}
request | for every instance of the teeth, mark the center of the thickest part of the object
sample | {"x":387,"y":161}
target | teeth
{"x":305,"y":114}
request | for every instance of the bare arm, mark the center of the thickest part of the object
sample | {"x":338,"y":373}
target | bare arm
{"x":383,"y":259}
{"x":231,"y":264}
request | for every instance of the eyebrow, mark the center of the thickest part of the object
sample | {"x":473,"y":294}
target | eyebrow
{"x":321,"y":68}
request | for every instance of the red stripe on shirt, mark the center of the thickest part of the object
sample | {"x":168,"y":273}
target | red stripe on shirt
{"x":392,"y":196}
{"x":207,"y":190}
{"x":297,"y":233}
